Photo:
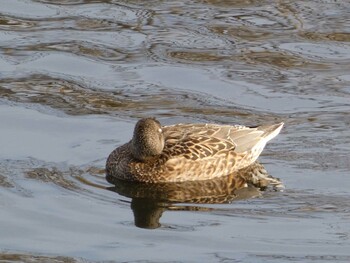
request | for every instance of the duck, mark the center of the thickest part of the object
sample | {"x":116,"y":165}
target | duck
{"x":186,"y":151}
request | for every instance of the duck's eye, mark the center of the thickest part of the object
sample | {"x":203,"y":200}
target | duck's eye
{"x":160,"y":130}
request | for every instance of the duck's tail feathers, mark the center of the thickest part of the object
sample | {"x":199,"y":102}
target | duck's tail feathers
{"x":272,"y":131}
{"x":257,"y":137}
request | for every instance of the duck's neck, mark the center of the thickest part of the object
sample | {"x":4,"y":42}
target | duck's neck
{"x":138,"y":152}
{"x":142,"y":152}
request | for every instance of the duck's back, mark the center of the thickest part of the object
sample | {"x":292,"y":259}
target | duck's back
{"x":242,"y":138}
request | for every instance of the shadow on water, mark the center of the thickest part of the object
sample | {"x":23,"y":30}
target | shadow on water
{"x":149,"y":201}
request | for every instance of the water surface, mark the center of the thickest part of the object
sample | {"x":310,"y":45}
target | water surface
{"x":76,"y":75}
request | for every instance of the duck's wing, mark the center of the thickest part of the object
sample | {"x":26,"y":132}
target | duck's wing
{"x":197,"y":141}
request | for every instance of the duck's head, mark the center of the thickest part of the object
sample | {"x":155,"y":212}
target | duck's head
{"x":148,"y":139}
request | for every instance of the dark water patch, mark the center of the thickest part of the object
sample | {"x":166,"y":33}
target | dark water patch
{"x":15,"y":23}
{"x":51,"y":175}
{"x":242,"y":32}
{"x":281,"y":60}
{"x":194,"y":56}
{"x":86,"y":49}
{"x":332,"y":36}
{"x":22,"y":257}
{"x":66,"y":23}
{"x":4,"y":182}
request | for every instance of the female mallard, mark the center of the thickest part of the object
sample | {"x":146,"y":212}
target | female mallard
{"x":186,"y":152}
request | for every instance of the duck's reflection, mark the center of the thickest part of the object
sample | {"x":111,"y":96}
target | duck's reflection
{"x":149,"y":201}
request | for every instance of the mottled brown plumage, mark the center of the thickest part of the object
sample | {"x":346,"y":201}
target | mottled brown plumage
{"x":186,"y":152}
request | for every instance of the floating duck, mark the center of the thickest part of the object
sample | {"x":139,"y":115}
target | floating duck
{"x":187,"y":152}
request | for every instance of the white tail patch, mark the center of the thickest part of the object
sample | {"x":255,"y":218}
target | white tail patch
{"x":256,"y":138}
{"x":275,"y":130}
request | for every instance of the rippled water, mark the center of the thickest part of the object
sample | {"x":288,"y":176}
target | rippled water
{"x":76,"y":75}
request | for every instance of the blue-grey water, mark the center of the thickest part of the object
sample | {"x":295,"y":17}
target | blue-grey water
{"x":76,"y":75}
